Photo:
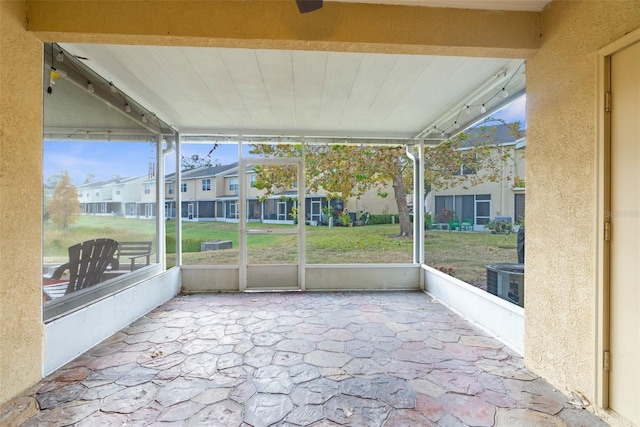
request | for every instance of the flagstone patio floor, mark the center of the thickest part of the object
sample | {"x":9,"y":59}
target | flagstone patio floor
{"x":297,"y":359}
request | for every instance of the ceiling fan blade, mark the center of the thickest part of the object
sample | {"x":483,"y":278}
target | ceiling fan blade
{"x":305,"y":6}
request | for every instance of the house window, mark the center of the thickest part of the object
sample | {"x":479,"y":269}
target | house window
{"x":467,"y":169}
{"x":483,"y":209}
{"x":468,"y":208}
{"x":519,"y":203}
{"x":233,"y":184}
{"x":117,"y":191}
{"x":183,"y":187}
{"x":206,"y":184}
{"x":147,"y":189}
{"x":170,"y":189}
{"x":97,"y":193}
{"x":253,"y":180}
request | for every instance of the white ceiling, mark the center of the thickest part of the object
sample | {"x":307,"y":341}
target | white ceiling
{"x":222,"y":91}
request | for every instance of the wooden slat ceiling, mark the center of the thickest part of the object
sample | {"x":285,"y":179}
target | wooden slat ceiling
{"x":225,"y":91}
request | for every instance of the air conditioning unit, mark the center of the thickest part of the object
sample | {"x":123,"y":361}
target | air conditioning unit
{"x":506,"y":281}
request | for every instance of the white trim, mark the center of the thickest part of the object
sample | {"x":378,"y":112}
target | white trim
{"x":318,"y":277}
{"x":69,"y":336}
{"x":601,"y":304}
{"x":500,"y":318}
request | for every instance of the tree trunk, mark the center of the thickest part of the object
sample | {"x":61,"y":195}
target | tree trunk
{"x":400,"y":194}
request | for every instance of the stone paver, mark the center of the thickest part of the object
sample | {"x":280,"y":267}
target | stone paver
{"x":297,"y":359}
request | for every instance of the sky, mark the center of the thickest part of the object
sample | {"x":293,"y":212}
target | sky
{"x":105,"y":160}
{"x":514,"y":112}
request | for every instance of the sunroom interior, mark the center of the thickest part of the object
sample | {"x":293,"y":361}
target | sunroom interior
{"x":580,"y":318}
{"x":166,"y":97}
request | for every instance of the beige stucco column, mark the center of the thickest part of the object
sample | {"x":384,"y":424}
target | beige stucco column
{"x":20,"y":202}
{"x":562,"y":190}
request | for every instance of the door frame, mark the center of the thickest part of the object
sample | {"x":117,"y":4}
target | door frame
{"x":603,"y":133}
{"x":315,"y":216}
{"x":243,"y":220}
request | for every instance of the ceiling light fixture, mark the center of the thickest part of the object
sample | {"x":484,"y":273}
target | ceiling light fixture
{"x":127,"y":108}
{"x":483,"y":107}
{"x":60,"y":56}
{"x":144,"y":119}
{"x":90,"y":87}
{"x":112,"y":88}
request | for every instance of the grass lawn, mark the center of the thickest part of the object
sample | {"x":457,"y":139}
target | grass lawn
{"x":466,"y":254}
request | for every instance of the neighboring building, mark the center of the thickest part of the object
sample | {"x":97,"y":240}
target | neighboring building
{"x":502,"y":199}
{"x":202,"y":192}
{"x":132,"y":197}
{"x":211,"y":194}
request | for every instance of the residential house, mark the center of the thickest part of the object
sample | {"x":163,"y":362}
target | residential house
{"x":201,"y":190}
{"x":501,"y":199}
{"x":211,"y":194}
{"x":131,"y":197}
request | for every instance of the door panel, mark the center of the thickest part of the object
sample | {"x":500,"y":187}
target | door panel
{"x":624,"y":334}
{"x":272,"y":251}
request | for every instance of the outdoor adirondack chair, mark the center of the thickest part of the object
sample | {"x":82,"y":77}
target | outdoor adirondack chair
{"x":87,"y":262}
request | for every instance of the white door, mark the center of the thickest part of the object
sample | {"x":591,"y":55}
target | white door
{"x":624,"y":279}
{"x":316,"y":211}
{"x":282,"y":211}
{"x":272,"y":255}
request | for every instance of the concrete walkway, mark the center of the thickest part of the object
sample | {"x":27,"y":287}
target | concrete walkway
{"x":297,"y":359}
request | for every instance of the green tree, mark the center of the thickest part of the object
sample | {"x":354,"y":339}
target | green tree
{"x":197,"y":161}
{"x":346,"y":171}
{"x":474,"y":150}
{"x":341,"y":171}
{"x":64,"y":206}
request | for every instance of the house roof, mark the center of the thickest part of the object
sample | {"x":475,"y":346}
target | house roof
{"x":202,"y":172}
{"x":102,"y":183}
{"x":501,"y":135}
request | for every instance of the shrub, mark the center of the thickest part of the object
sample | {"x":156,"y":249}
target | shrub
{"x":382,"y":219}
{"x":188,"y":244}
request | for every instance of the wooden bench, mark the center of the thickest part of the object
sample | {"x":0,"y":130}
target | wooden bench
{"x":132,"y":251}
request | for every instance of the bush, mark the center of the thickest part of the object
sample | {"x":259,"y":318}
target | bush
{"x":382,"y":219}
{"x":188,"y":244}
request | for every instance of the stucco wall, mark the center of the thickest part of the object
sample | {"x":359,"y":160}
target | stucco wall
{"x":560,"y":321}
{"x":20,"y":202}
